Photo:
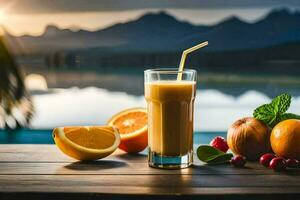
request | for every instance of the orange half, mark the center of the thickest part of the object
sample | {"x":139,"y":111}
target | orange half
{"x":87,"y":142}
{"x":133,"y":129}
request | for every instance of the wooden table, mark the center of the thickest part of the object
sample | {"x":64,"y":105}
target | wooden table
{"x":43,"y":172}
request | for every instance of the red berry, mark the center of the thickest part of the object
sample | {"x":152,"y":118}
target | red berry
{"x":238,"y":161}
{"x":292,"y":163}
{"x":219,"y":143}
{"x":266,"y":159}
{"x":278,"y":164}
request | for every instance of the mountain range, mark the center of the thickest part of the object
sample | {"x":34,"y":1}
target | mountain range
{"x":161,"y":32}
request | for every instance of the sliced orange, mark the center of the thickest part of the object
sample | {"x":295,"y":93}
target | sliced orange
{"x":133,"y":129}
{"x":87,"y":142}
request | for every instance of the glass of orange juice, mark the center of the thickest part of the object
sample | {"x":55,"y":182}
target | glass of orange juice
{"x":170,"y":96}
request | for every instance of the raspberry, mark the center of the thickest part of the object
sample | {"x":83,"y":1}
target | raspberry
{"x":219,"y":143}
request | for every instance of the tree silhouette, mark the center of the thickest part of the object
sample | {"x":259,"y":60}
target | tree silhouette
{"x":16,"y":109}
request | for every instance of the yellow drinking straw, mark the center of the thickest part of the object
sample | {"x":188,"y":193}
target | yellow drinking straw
{"x":184,"y":54}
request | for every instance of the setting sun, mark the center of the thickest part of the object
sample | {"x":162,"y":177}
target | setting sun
{"x":2,"y":16}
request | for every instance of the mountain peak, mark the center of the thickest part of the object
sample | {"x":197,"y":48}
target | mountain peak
{"x":160,"y":13}
{"x":160,"y":31}
{"x":282,"y":17}
{"x":281,"y":13}
{"x":51,"y":30}
{"x":233,"y":20}
{"x":161,"y":16}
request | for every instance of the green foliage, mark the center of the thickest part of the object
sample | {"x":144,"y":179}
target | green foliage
{"x":275,"y":112}
{"x":286,"y":116}
{"x":281,"y":103}
{"x":16,"y":109}
{"x":212,"y":155}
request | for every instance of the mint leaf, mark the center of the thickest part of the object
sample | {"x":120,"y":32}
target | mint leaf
{"x":286,"y":116}
{"x":281,"y":103}
{"x":271,"y":114}
{"x":265,"y":113}
{"x":212,"y":155}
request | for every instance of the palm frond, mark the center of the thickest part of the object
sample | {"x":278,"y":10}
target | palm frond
{"x":16,"y":108}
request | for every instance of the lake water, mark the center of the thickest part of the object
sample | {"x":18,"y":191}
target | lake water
{"x":28,"y":136}
{"x":214,"y":110}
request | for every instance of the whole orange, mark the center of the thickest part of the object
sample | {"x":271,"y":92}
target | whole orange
{"x":133,"y":129}
{"x":285,"y":139}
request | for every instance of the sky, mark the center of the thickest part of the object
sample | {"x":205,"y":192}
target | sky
{"x":31,"y":16}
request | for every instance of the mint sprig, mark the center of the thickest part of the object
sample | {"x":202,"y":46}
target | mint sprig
{"x":212,"y":155}
{"x":289,"y":116}
{"x":275,"y":112}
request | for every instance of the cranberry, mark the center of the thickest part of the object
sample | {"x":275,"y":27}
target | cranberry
{"x":278,"y":164}
{"x":266,"y":159}
{"x":238,"y":161}
{"x":219,"y":143}
{"x":292,"y":163}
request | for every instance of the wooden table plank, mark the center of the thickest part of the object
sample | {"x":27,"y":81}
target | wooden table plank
{"x":50,"y":153}
{"x":181,"y":183}
{"x":158,"y":193}
{"x":34,"y":161}
{"x":39,"y":170}
{"x":106,"y":167}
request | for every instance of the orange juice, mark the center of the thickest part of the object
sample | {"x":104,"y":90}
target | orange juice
{"x":170,"y":116}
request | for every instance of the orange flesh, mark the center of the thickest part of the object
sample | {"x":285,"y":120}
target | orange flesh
{"x":131,"y":122}
{"x":93,"y":138}
{"x":70,"y":128}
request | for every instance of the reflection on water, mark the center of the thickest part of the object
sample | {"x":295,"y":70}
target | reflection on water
{"x":38,"y":136}
{"x":214,"y":110}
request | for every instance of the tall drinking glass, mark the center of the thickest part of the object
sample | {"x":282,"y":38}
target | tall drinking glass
{"x":170,"y":96}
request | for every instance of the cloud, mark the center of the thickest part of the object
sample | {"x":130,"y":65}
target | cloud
{"x":214,"y":110}
{"x":58,"y":6}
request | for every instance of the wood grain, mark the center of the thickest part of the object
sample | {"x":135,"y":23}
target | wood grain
{"x":112,"y":167}
{"x":43,"y":172}
{"x":50,"y":182}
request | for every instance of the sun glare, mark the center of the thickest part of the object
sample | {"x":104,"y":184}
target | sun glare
{"x":3,"y":12}
{"x":2,"y":17}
